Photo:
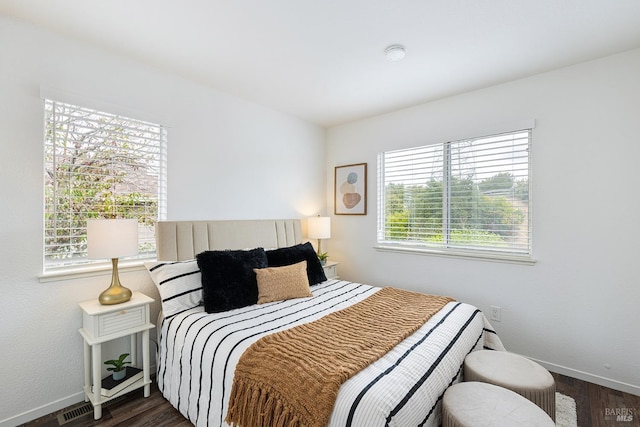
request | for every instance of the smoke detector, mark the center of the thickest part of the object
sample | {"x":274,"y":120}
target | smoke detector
{"x":395,"y":52}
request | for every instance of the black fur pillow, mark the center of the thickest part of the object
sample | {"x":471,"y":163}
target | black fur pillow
{"x":228,"y":280}
{"x":295,"y":254}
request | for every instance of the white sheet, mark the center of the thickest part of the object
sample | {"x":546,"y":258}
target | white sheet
{"x":198,"y":353}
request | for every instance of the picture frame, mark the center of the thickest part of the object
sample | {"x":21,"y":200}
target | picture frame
{"x":350,"y":189}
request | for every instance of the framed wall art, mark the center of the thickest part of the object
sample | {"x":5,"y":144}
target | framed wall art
{"x":350,"y":189}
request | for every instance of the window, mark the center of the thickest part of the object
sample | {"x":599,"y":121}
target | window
{"x":99,"y":165}
{"x":468,"y":197}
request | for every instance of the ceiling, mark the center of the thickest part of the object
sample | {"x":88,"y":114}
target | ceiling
{"x":323,"y":60}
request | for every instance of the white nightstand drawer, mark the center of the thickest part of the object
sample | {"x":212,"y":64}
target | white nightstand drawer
{"x":120,"y":320}
{"x":103,"y":322}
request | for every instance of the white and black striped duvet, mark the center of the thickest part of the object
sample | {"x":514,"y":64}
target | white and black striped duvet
{"x":198,"y":353}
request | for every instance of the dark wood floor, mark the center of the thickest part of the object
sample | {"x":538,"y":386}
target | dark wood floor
{"x":596,"y":407}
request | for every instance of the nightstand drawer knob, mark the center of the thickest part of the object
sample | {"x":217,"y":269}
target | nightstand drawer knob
{"x":123,"y":312}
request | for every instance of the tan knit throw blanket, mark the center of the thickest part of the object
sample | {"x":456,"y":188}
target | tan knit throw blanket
{"x":291,"y":378}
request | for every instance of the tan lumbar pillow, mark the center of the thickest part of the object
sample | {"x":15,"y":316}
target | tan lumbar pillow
{"x":281,"y":283}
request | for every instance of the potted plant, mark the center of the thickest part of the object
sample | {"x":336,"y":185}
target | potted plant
{"x":323,"y":257}
{"x":118,"y":367}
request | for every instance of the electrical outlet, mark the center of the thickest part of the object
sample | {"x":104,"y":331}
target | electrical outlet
{"x":495,"y":313}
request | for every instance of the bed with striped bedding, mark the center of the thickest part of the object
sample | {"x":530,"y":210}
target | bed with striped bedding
{"x":198,"y":352}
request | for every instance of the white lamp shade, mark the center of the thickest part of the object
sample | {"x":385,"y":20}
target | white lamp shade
{"x":112,"y":238}
{"x":319,"y":227}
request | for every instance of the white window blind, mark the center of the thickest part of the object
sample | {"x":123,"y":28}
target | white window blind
{"x":468,"y":195}
{"x":99,"y":165}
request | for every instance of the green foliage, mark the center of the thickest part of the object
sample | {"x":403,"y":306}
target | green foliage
{"x":90,"y":173}
{"x":482,"y":214}
{"x":118,"y":364}
{"x":323,"y":256}
{"x":501,"y":211}
{"x":398,"y":225}
{"x":476,"y":238}
{"x":501,"y":181}
{"x":521,"y":190}
{"x":395,"y":199}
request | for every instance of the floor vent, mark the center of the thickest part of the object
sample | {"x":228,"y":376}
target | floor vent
{"x":74,"y":412}
{"x":80,"y":410}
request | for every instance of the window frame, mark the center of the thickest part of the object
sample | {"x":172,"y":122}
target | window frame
{"x":135,"y":143}
{"x":383,"y":243}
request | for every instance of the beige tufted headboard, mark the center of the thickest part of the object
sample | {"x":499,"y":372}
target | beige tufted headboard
{"x":183,"y":240}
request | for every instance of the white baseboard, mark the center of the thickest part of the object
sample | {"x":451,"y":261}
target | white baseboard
{"x":43,"y":410}
{"x":51,"y":407}
{"x":595,"y":379}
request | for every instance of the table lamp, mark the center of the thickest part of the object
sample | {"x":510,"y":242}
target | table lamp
{"x":112,"y":238}
{"x":319,"y":227}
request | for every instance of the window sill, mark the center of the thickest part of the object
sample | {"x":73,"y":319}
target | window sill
{"x":91,"y":271}
{"x":492,"y":257}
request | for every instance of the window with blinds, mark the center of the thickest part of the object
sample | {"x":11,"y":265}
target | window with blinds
{"x":99,"y":165}
{"x":462,"y":196}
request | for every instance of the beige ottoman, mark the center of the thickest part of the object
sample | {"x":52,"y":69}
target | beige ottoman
{"x":475,"y":404}
{"x":516,"y":373}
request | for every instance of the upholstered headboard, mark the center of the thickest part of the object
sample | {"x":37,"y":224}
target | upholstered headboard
{"x":183,"y":240}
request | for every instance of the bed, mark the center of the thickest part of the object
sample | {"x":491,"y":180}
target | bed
{"x":199,"y":353}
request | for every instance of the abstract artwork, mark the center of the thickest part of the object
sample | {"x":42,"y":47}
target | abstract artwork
{"x":350,"y":189}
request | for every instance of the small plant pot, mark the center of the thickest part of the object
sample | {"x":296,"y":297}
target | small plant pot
{"x":323,"y":262}
{"x":118,"y":375}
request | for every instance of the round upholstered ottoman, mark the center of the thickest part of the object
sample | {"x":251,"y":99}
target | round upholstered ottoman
{"x":514,"y":372}
{"x":475,"y":404}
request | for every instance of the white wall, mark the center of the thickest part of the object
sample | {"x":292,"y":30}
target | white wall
{"x":577,"y":309}
{"x":228,"y":158}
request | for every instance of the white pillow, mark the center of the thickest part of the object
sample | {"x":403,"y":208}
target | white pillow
{"x":179,"y":284}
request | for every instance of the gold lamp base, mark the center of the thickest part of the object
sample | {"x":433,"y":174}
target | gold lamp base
{"x":116,"y":293}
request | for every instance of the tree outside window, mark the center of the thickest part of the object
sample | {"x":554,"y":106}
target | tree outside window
{"x":470,"y":195}
{"x":99,"y":165}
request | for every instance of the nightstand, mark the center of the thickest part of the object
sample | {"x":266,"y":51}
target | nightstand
{"x":102,"y":323}
{"x":331,"y":270}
